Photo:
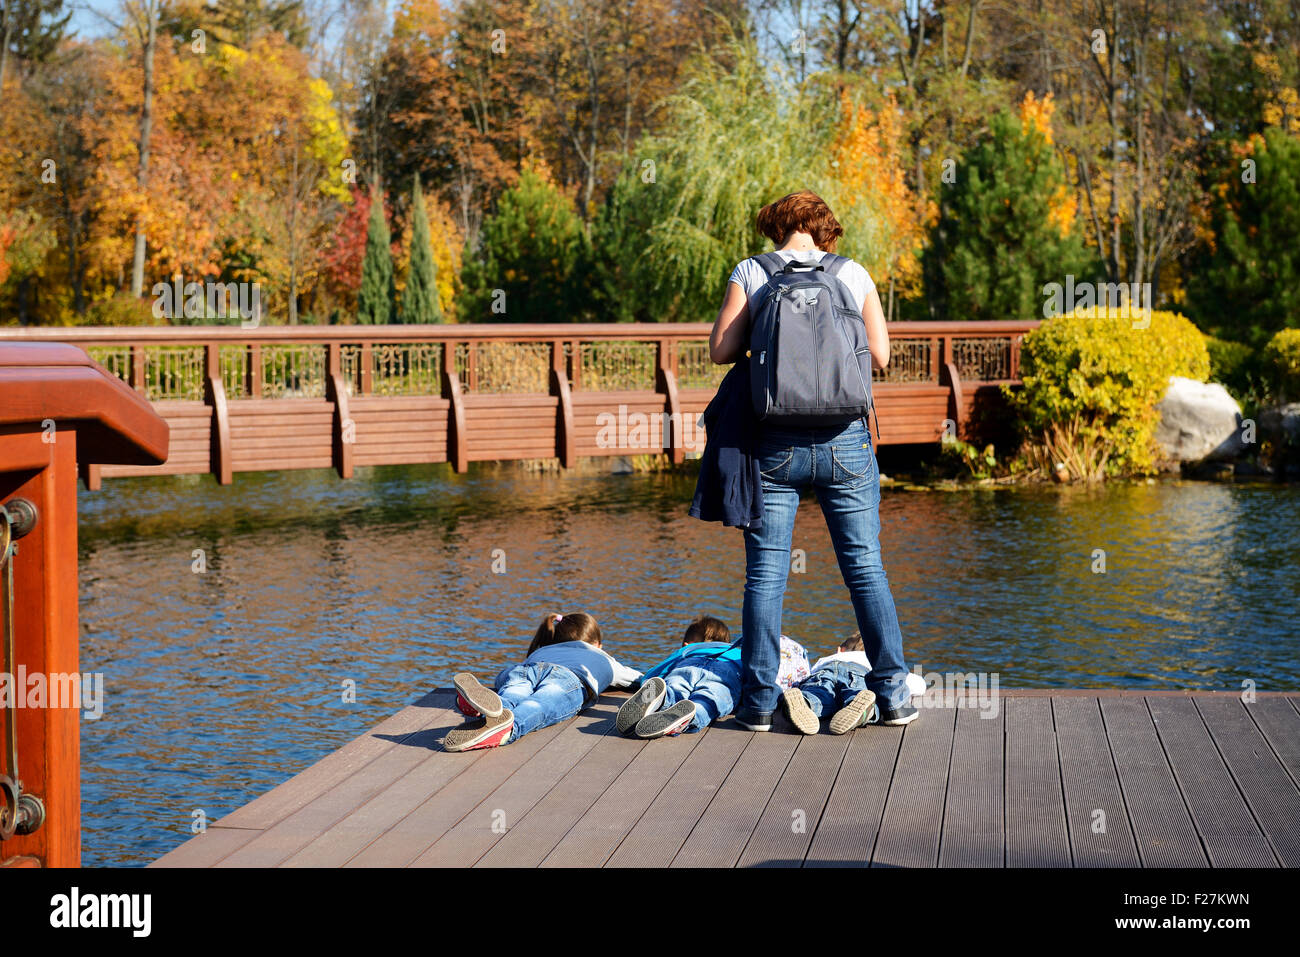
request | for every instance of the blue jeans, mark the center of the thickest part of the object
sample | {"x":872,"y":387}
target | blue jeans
{"x":829,"y":689}
{"x":712,"y":684}
{"x":540,"y":695}
{"x":839,"y":464}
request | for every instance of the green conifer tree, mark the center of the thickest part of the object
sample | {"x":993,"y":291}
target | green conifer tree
{"x":420,"y":299}
{"x":531,"y":260}
{"x":1248,"y":287}
{"x":996,"y":244}
{"x":376,"y":299}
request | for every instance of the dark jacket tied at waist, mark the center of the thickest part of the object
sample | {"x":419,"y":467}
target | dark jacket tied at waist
{"x":729,"y":488}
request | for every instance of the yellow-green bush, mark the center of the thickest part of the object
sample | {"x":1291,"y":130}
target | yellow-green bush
{"x":1282,"y":358}
{"x":1091,"y":383}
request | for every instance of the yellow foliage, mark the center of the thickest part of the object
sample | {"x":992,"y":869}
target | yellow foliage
{"x":867,"y":168}
{"x":1282,"y":105}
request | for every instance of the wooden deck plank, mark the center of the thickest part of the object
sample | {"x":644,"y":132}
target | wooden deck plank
{"x":213,"y":845}
{"x":850,"y":823}
{"x":338,"y":844}
{"x":913,"y":821}
{"x":719,"y":838}
{"x":1184,"y":779}
{"x":1279,"y":721}
{"x":596,"y":835}
{"x":293,"y":833}
{"x":974,"y":821}
{"x":1166,"y":836}
{"x":1272,"y":796}
{"x":1036,"y":830}
{"x":1228,"y":831}
{"x":442,"y":810}
{"x":277,"y":804}
{"x":1092,"y":785}
{"x":476,"y":833}
{"x":785,"y":831}
{"x":666,"y":824}
{"x":539,"y":831}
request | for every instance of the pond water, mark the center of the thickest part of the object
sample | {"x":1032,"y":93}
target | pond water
{"x":229,"y":622}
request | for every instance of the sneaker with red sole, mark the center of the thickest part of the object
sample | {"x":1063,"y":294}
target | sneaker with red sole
{"x":473,"y":699}
{"x":494,"y":733}
{"x":669,"y":721}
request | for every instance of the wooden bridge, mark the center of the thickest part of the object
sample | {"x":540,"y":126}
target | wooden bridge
{"x":1061,"y":778}
{"x":300,"y":397}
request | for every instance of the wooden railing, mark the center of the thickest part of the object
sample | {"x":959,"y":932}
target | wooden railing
{"x":57,"y":409}
{"x":342,"y":396}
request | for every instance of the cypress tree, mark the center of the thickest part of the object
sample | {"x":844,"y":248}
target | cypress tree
{"x":377,"y":295}
{"x":420,"y":300}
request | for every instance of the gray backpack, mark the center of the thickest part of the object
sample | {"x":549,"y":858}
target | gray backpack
{"x":808,"y":358}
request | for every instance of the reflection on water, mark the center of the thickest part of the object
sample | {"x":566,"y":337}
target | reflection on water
{"x":221,"y":684}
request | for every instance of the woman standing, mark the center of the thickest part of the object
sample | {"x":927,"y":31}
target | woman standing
{"x":837,"y":461}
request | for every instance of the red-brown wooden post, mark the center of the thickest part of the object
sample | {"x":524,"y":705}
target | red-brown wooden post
{"x":343,"y":428}
{"x":137,"y":367}
{"x":214,"y":394}
{"x":56,"y":407}
{"x":366,"y":383}
{"x":934,"y":358}
{"x":253,"y":371}
{"x":1014,"y":370}
{"x":575,"y":364}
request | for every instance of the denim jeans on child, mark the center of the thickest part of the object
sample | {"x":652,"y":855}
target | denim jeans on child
{"x":540,"y":695}
{"x":839,"y":464}
{"x":711,"y":683}
{"x":830,"y":688}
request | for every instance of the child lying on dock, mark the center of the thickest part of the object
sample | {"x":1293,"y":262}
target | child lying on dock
{"x":837,"y":683}
{"x":698,"y":683}
{"x":565,"y":671}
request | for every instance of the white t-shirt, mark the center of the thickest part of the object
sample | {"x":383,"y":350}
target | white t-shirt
{"x":915,"y":683}
{"x":749,"y":276}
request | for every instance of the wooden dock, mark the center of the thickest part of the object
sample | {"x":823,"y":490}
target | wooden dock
{"x":1054,"y":779}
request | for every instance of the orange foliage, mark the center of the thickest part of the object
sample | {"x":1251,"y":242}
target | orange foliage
{"x":1037,"y":114}
{"x":867,"y":165}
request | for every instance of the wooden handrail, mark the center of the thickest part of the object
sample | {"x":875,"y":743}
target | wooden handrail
{"x":58,"y":409}
{"x":443,"y":332}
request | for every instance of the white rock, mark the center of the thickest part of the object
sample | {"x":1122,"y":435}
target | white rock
{"x":1199,"y":421}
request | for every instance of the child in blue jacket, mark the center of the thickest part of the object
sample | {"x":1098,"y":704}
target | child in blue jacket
{"x":698,"y":683}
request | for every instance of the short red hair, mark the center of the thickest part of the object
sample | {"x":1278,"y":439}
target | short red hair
{"x":804,"y":212}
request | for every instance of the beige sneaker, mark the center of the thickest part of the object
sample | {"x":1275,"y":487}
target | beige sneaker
{"x":797,"y":710}
{"x":854,"y":714}
{"x":494,"y":733}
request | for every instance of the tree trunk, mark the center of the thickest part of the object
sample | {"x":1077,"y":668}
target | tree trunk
{"x":8,"y":36}
{"x":150,"y":40}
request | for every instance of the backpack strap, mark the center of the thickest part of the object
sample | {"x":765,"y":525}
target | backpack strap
{"x":833,"y":263}
{"x":772,"y":263}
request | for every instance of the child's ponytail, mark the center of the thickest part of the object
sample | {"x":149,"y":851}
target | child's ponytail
{"x":556,"y":628}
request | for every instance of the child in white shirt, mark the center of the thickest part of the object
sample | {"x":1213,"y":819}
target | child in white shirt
{"x":836,"y":685}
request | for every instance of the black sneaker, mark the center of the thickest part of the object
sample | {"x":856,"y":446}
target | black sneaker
{"x":754,"y":720}
{"x":672,"y":720}
{"x":647,"y":698}
{"x":894,"y":717}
